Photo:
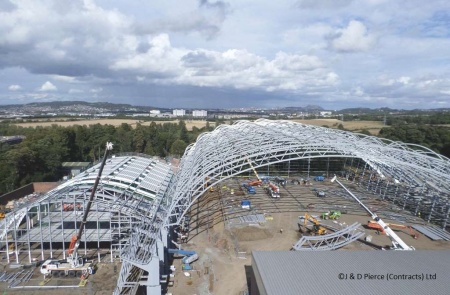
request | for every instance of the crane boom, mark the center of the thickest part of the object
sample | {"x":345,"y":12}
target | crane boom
{"x":389,"y":232}
{"x":254,"y":170}
{"x":75,"y":242}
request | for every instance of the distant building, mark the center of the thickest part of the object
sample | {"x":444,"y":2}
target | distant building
{"x":75,"y":167}
{"x":201,"y":113}
{"x":155,"y":112}
{"x":179,"y":113}
{"x":325,"y":114}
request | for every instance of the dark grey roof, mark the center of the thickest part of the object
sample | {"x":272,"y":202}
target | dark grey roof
{"x":76,"y":164}
{"x":296,"y":272}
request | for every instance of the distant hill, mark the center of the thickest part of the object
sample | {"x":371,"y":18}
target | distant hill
{"x":367,"y":111}
{"x":308,"y":108}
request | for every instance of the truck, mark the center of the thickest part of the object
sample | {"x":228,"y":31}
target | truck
{"x":274,"y":190}
{"x":245,"y":204}
{"x":74,"y":265}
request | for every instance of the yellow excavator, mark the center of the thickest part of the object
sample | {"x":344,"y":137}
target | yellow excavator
{"x":317,"y":229}
{"x":2,"y":212}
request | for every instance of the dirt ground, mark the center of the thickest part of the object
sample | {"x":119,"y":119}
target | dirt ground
{"x":225,"y":246}
{"x":225,"y":254}
{"x":102,"y":282}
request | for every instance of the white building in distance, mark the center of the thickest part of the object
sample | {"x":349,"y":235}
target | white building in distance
{"x":326,"y":114}
{"x":179,"y":113}
{"x":155,"y":112}
{"x":201,"y":113}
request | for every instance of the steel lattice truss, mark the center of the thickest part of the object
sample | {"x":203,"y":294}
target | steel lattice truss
{"x":143,"y":193}
{"x":331,"y":241}
{"x":223,"y":153}
{"x":124,"y":213}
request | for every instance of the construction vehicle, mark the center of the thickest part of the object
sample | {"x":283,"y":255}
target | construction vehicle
{"x":397,"y":243}
{"x":255,"y":182}
{"x":320,"y":194}
{"x":332,"y":214}
{"x":274,"y":190}
{"x":189,"y":257}
{"x":74,"y":265}
{"x":317,"y":229}
{"x":246,"y":204}
{"x":280,"y":181}
{"x":374,"y":225}
{"x":250,"y":189}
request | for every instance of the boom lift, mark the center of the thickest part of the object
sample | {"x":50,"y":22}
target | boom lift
{"x":397,"y":243}
{"x":372,"y":224}
{"x":256,"y":182}
{"x":75,"y":265}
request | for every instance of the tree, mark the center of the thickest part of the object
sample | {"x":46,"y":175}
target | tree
{"x":178,"y":147}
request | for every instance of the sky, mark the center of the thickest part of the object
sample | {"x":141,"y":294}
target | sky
{"x":226,"y":54}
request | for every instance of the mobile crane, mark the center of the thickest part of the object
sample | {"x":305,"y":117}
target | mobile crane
{"x":255,"y":182}
{"x":397,"y":243}
{"x":372,"y":224}
{"x":75,"y":265}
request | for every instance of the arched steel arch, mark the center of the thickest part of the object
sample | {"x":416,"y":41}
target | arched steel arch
{"x":223,"y":153}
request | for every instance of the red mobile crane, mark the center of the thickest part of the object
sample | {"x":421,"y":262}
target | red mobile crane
{"x":75,"y":265}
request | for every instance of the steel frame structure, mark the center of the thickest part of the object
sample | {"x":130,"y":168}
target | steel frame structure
{"x":143,"y":198}
{"x":396,"y":170}
{"x":331,"y":241}
{"x":125,"y":207}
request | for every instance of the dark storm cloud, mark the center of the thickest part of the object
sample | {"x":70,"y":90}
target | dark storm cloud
{"x":206,"y":20}
{"x":7,"y":6}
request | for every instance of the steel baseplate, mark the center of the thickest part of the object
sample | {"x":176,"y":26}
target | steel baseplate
{"x":332,"y":241}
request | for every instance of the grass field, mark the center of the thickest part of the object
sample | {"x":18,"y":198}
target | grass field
{"x":372,"y":126}
{"x":115,"y":122}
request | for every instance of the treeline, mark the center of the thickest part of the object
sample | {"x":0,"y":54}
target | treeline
{"x":436,"y":138}
{"x":407,"y":117}
{"x":40,"y":155}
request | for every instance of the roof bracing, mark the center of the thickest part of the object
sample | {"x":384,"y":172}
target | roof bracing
{"x":224,"y":153}
{"x":125,"y":213}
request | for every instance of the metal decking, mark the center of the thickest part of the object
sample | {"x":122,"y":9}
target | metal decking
{"x":433,"y":232}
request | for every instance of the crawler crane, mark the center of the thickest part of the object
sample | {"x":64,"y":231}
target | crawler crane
{"x":75,"y":265}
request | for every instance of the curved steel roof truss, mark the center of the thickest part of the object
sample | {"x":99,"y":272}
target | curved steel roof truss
{"x":223,"y":153}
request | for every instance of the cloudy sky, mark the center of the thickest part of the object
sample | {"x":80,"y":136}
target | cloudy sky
{"x":230,"y":53}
